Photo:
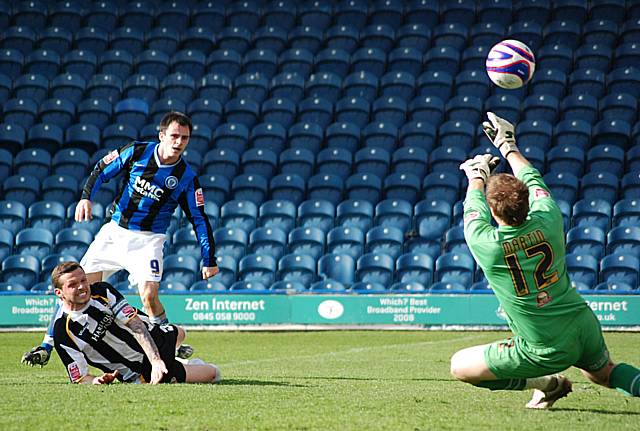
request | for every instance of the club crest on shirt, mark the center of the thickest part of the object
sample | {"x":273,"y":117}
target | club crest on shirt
{"x":199,"y":198}
{"x":74,"y":372}
{"x":540,"y":193}
{"x":171,"y":182}
{"x":471,"y":216}
{"x":110,"y":157}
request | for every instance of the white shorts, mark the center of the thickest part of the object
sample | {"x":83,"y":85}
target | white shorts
{"x":115,"y":248}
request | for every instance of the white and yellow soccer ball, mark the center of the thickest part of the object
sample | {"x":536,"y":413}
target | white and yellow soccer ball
{"x":510,"y":64}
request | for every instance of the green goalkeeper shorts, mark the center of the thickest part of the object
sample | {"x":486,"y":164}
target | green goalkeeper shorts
{"x":582,"y":345}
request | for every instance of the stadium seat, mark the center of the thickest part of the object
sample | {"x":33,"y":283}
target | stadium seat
{"x":20,"y":38}
{"x":393,"y":213}
{"x":432,"y":218}
{"x":389,"y":110}
{"x":73,"y":242}
{"x":623,"y":240}
{"x":221,"y":161}
{"x":231,"y":242}
{"x":297,"y":161}
{"x":566,"y":159}
{"x":296,"y":61}
{"x":346,"y":240}
{"x":442,"y":186}
{"x":624,"y":79}
{"x":287,"y":186}
{"x":96,"y":112}
{"x":115,"y":62}
{"x":471,"y":83}
{"x":11,"y":61}
{"x":618,"y":107}
{"x":334,"y":61}
{"x":280,"y":214}
{"x":306,"y":135}
{"x":152,"y":62}
{"x":44,"y":62}
{"x":572,"y":132}
{"x":61,"y":188}
{"x":455,"y":268}
{"x":563,"y":186}
{"x":6,"y":243}
{"x":104,"y":86}
{"x":20,"y":269}
{"x":22,"y":112}
{"x":416,"y":36}
{"x":250,"y":187}
{"x":315,"y":110}
{"x":328,"y":286}
{"x":369,"y":160}
{"x":583,"y":82}
{"x":268,"y":136}
{"x":208,"y":286}
{"x":281,"y":111}
{"x":273,"y":38}
{"x":605,"y":158}
{"x":415,"y":268}
{"x":259,"y":161}
{"x":604,"y":185}
{"x":405,"y":64}
{"x":562,"y":32}
{"x":362,"y":84}
{"x":307,"y":240}
{"x":353,"y":110}
{"x":371,"y":60}
{"x":382,"y":135}
{"x":34,"y":241}
{"x":213,"y":86}
{"x":630,"y":185}
{"x":549,"y":82}
{"x":327,"y":187}
{"x":324,"y":85}
{"x":267,"y":241}
{"x":239,"y":214}
{"x":389,"y":12}
{"x":337,"y":268}
{"x":448,"y":158}
{"x":297,"y":268}
{"x":257,"y":268}
{"x":594,"y":212}
{"x":364,"y":187}
{"x":205,"y":111}
{"x":441,"y":58}
{"x":224,"y":62}
{"x":33,"y":86}
{"x":586,"y":240}
{"x":316,"y":213}
{"x":418,"y":134}
{"x":308,"y":38}
{"x":92,"y":38}
{"x":355,"y":213}
{"x":250,"y":86}
{"x":13,"y":139}
{"x":180,"y":269}
{"x":185,"y":243}
{"x":131,"y":111}
{"x":49,"y":215}
{"x":21,"y":188}
{"x":287,"y":86}
{"x":582,"y":269}
{"x":454,"y":240}
{"x":384,"y":240}
{"x":623,"y":268}
{"x":375,"y":268}
{"x":488,"y":32}
{"x":32,"y":162}
{"x":594,"y":56}
{"x":402,"y":186}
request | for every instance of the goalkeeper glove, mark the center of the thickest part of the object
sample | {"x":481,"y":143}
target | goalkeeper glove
{"x":501,"y":134}
{"x":36,"y":356}
{"x":480,"y":167}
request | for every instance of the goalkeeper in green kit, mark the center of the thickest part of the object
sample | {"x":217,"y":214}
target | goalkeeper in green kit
{"x":524,"y":261}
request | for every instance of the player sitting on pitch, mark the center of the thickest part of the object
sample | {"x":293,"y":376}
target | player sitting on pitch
{"x":96,"y":326}
{"x":524,"y":261}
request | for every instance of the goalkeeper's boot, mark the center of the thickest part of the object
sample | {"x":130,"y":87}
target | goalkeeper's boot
{"x":185,"y":351}
{"x":544,"y":400}
{"x":36,"y":356}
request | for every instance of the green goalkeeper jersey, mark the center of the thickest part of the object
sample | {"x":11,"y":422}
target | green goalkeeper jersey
{"x":525,"y":265}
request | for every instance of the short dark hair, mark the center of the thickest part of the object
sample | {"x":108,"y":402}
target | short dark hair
{"x":178,"y":117}
{"x":508,"y":197}
{"x":60,"y":270}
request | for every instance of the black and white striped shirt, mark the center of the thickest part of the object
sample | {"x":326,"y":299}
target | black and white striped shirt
{"x":98,"y":336}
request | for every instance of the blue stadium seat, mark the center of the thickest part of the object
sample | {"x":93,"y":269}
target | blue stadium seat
{"x":297,"y":268}
{"x":61,"y":188}
{"x":172,"y":15}
{"x":583,"y":82}
{"x":270,"y":37}
{"x":541,"y":107}
{"x":325,"y":186}
{"x":451,"y":34}
{"x":459,"y":11}
{"x":138,"y":15}
{"x":382,"y":135}
{"x":623,"y":240}
{"x":415,"y":268}
{"x":20,"y":269}
{"x":369,"y":160}
{"x":257,"y":268}
{"x":205,"y":111}
{"x":84,"y":137}
{"x":96,"y":112}
{"x":180,"y":269}
{"x":163,"y":106}
{"x":6,"y":85}
{"x":351,"y":13}
{"x":51,"y":261}
{"x":612,"y":132}
{"x":227,"y":62}
{"x":427,"y":109}
{"x":333,"y":60}
{"x":316,"y":213}
{"x":592,"y":211}
{"x":604,"y":185}
{"x":444,"y":186}
{"x":416,"y":36}
{"x":389,"y":110}
{"x":20,"y":38}
{"x":45,"y":136}
{"x":268,"y":137}
{"x":6,"y":243}
{"x":209,"y":14}
{"x":355,"y":213}
{"x":34,"y":241}
{"x":102,"y":15}
{"x":21,"y":188}
{"x":213,"y":86}
{"x":455,"y":268}
{"x":432,"y":218}
{"x":625,"y":79}
{"x":141,"y":86}
{"x":582,"y":269}
{"x":353,"y":110}
{"x":630,"y":185}
{"x":231,"y":136}
{"x":613,"y":10}
{"x":448,"y":287}
{"x":418,"y":134}
{"x":221,"y":161}
{"x":315,"y":110}
{"x":472,"y":83}
{"x":263,"y":62}
{"x":328,"y":286}
{"x":549,"y":82}
{"x":104,"y":86}
{"x":152,"y":62}
{"x":244,"y":14}
{"x":287,"y":186}
{"x":33,"y":86}
{"x":384,"y":240}
{"x":230,"y":242}
{"x":594,"y":56}
{"x":364,"y":187}
{"x":586,"y":240}
{"x":239,"y":214}
{"x":297,"y":161}
{"x":131,"y":111}
{"x":562,"y":32}
{"x":572,"y":132}
{"x":628,"y":32}
{"x":567,"y":159}
{"x":49,"y":215}
{"x":563,"y":186}
{"x":13,"y":215}
{"x":389,"y":12}
{"x":613,"y":287}
{"x":268,"y":241}
{"x":442,"y":58}
{"x":117,"y":135}
{"x":184,"y":242}
{"x":375,"y":268}
{"x":280,"y":214}
{"x":259,"y":161}
{"x":69,"y":86}
{"x":487,"y":33}
{"x":526,"y":31}
{"x":280,"y":111}
{"x":619,"y":107}
{"x":34,"y":162}
{"x":464,"y":108}
{"x":60,"y":112}
{"x":346,"y":240}
{"x":250,"y":86}
{"x":296,"y":60}
{"x":128,"y":38}
{"x":287,"y":86}
{"x":170,"y":287}
{"x":337,"y":268}
{"x":118,"y":63}
{"x":361,"y":84}
{"x":323,"y":85}
{"x":92,"y":38}
{"x":410,"y":160}
{"x":306,"y":135}
{"x":11,"y":61}
{"x":73,"y":241}
{"x":44,"y":62}
{"x":633,"y":155}
{"x":250,"y":187}
{"x":307,"y":240}
{"x":22,"y":112}
{"x":605,"y":158}
{"x":623,"y":268}
{"x":454,"y":240}
{"x":507,"y":107}
{"x":602,"y":31}
{"x":6,"y":163}
{"x":305,"y":37}
{"x":335,"y":162}
{"x":371,"y":60}
{"x":448,"y":158}
{"x":342,"y":38}
{"x":402,"y":186}
{"x":208,"y":286}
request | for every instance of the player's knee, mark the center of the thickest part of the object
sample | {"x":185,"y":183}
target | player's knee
{"x":216,"y":375}
{"x":457,"y":367}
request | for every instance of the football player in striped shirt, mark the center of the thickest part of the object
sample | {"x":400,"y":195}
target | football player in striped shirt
{"x":97,"y":327}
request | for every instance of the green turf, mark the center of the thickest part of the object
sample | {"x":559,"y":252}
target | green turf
{"x":346,"y":380}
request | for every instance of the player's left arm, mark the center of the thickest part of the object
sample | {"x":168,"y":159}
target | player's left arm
{"x":192,"y":203}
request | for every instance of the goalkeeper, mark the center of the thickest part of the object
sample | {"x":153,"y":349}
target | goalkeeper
{"x":524,"y":261}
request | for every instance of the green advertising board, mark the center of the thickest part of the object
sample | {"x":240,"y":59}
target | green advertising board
{"x":620,"y":311}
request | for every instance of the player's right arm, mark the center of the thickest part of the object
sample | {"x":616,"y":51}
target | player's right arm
{"x":106,"y":168}
{"x":142,"y":335}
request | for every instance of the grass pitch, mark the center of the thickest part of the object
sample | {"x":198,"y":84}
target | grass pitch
{"x":343,"y":380}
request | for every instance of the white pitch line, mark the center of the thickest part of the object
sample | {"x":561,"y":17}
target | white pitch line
{"x":348,"y":351}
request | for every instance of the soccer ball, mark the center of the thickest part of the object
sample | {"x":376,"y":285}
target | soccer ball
{"x":510,"y":64}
